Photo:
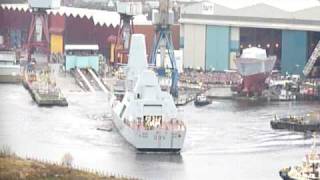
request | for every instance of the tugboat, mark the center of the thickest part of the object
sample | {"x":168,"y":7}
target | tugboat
{"x":201,"y":100}
{"x":309,"y":170}
{"x":309,"y":122}
{"x":146,"y":117}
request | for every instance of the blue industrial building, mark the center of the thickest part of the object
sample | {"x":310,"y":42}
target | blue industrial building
{"x":82,"y":57}
{"x":213,"y":34}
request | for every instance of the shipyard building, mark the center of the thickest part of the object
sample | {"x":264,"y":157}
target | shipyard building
{"x":69,"y":25}
{"x":212,"y":34}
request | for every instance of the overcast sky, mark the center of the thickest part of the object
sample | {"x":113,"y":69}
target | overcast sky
{"x":288,"y":5}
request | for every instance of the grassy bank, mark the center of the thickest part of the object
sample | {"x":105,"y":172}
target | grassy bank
{"x":13,"y":167}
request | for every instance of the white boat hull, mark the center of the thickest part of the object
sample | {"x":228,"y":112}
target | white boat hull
{"x":150,"y":140}
{"x":10,"y":73}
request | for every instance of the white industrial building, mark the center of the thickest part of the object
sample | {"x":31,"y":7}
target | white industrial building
{"x":213,"y":33}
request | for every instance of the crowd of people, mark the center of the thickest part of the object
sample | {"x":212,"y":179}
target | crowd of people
{"x":212,"y":77}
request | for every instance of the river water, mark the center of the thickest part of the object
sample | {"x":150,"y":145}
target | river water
{"x":225,"y":140}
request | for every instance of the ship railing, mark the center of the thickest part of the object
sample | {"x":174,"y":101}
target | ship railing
{"x":289,"y":117}
{"x":175,"y":125}
{"x":48,"y":90}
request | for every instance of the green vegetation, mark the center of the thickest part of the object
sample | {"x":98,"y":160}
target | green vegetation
{"x":13,"y":167}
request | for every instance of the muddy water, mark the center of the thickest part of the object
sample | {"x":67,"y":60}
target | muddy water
{"x":225,"y":140}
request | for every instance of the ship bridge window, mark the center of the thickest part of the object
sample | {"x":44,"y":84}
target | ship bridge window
{"x":152,"y":109}
{"x":122,"y":111}
{"x":151,"y":122}
{"x":152,"y":105}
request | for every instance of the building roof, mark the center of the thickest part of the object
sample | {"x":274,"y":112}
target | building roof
{"x":281,"y":14}
{"x":99,"y":17}
{"x":81,"y":47}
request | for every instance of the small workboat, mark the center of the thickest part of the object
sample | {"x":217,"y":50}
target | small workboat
{"x":9,"y":67}
{"x":308,"y":122}
{"x":201,"y":100}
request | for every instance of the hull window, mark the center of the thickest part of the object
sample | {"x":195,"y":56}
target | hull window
{"x":122,"y":111}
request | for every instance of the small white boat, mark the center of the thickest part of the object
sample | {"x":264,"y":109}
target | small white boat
{"x":9,"y":69}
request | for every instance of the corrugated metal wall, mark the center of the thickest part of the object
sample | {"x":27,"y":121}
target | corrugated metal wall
{"x":14,"y":27}
{"x":83,"y":31}
{"x":1,"y":20}
{"x":56,"y":23}
{"x":79,"y":31}
{"x":294,"y":51}
{"x":15,"y":38}
{"x":194,"y":46}
{"x":102,"y":34}
{"x":13,"y":19}
{"x":217,"y":47}
{"x":75,"y":30}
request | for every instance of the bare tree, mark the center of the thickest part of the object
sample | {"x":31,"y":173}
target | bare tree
{"x":67,"y":160}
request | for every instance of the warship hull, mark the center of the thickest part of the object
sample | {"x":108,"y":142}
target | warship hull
{"x":254,"y":72}
{"x":254,"y":83}
{"x":146,"y":117}
{"x":149,"y":140}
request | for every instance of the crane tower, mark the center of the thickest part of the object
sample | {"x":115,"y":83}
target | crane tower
{"x":127,"y":10}
{"x":163,"y":18}
{"x":38,"y":37}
